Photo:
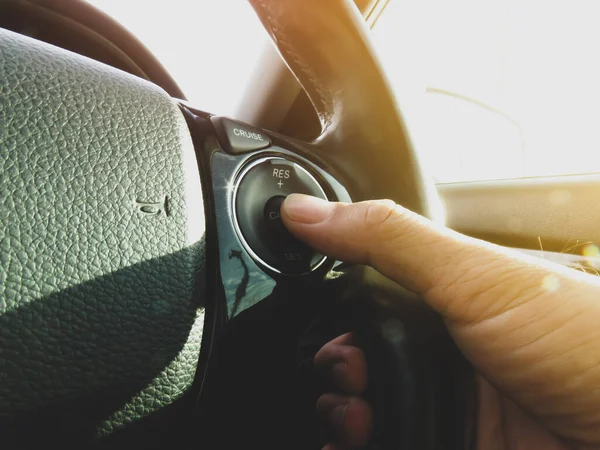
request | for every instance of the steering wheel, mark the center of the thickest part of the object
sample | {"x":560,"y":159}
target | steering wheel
{"x":141,"y":247}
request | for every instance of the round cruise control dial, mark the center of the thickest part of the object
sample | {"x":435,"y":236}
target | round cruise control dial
{"x":261,"y":189}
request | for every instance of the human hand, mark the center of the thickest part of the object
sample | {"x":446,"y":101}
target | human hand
{"x":529,"y":326}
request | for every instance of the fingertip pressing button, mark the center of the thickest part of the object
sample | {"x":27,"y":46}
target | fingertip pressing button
{"x":261,"y":190}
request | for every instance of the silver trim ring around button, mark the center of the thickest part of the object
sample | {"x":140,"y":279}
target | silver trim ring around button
{"x":237,"y":182}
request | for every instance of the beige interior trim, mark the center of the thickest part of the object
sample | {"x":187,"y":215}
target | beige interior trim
{"x":550,"y":213}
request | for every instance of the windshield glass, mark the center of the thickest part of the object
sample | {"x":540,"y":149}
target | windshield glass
{"x":497,"y":88}
{"x":490,"y":89}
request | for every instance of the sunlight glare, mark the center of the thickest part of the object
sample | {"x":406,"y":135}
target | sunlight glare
{"x":550,"y":283}
{"x":532,"y":60}
{"x":591,"y":251}
{"x":210,"y":47}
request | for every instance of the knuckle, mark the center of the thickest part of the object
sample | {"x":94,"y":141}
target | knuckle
{"x":379,"y":213}
{"x":379,"y":227}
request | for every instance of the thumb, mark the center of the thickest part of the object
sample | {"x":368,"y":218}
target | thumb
{"x":411,"y":250}
{"x":528,"y":325}
{"x":465,"y":279}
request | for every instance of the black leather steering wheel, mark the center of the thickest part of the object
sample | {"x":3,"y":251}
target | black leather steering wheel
{"x":130,"y":250}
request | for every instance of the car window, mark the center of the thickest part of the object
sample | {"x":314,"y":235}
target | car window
{"x":497,"y":88}
{"x":209,"y":47}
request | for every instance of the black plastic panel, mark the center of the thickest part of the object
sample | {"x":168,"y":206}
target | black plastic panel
{"x":245,"y":282}
{"x":420,"y":379}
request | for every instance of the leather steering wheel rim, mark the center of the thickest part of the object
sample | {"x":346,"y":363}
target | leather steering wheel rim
{"x":364,"y":137}
{"x":104,"y":273}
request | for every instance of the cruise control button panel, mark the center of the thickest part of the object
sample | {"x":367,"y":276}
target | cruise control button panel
{"x":261,"y":188}
{"x":237,"y":138}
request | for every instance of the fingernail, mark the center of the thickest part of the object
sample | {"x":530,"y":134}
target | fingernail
{"x":306,"y":209}
{"x":338,"y":414}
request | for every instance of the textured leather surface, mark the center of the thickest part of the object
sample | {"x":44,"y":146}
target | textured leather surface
{"x":101,"y":249}
{"x":364,"y":137}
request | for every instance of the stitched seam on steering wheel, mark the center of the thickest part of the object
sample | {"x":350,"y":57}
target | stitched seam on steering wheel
{"x":324,"y":98}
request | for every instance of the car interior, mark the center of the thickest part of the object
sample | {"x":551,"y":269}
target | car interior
{"x":151,"y":297}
